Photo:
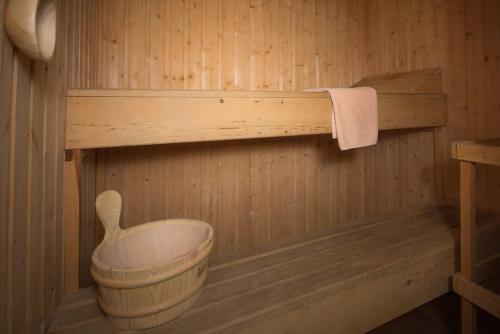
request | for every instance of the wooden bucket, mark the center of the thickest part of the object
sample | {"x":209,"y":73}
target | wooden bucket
{"x":151,"y":273}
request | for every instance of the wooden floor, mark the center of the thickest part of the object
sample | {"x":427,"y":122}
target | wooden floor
{"x":374,"y":273}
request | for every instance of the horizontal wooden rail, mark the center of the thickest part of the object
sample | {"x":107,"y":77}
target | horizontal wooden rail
{"x":476,"y":294}
{"x":481,"y":151}
{"x":110,"y":118}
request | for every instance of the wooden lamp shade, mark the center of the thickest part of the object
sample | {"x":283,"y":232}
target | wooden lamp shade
{"x":31,"y":25}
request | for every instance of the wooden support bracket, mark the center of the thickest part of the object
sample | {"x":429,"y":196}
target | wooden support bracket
{"x":71,"y":220}
{"x":477,"y":295}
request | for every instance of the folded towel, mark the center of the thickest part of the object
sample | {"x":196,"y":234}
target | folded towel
{"x":354,"y":116}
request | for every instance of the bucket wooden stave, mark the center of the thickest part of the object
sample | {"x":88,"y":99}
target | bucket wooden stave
{"x":151,"y":273}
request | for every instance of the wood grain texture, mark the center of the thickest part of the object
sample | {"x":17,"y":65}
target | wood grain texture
{"x":288,"y":45}
{"x":151,"y":273}
{"x":429,"y":80}
{"x":482,"y":77}
{"x":113,"y":118}
{"x":470,"y":153}
{"x":71,"y":221}
{"x":480,"y":151}
{"x":468,"y":257}
{"x":31,"y":180}
{"x":258,"y":194}
{"x":476,"y":294}
{"x":281,"y":190}
{"x":363,"y":277}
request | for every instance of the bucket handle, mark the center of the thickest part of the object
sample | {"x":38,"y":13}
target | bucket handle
{"x":108,"y":206}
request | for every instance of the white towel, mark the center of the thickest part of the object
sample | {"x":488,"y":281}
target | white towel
{"x":354,"y":116}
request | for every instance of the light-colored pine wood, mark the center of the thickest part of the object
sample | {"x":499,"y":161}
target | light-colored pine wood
{"x":419,"y":81}
{"x":343,"y":272}
{"x":87,"y":214}
{"x":128,"y":118}
{"x":364,"y":38}
{"x":331,"y":43}
{"x":37,"y":183}
{"x":32,"y":116}
{"x":100,"y":186}
{"x":151,"y":273}
{"x":71,"y":221}
{"x":31,"y":25}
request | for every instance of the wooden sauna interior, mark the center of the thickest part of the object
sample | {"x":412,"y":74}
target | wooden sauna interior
{"x":307,"y":238}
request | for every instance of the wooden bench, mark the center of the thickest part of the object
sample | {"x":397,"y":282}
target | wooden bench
{"x":97,"y":118}
{"x":347,"y":282}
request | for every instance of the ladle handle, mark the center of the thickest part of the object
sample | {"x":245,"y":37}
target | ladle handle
{"x":108,"y":206}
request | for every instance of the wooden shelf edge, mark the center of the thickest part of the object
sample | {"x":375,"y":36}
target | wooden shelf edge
{"x":114,"y":118}
{"x":480,"y":151}
{"x":429,"y":80}
{"x":78,"y":92}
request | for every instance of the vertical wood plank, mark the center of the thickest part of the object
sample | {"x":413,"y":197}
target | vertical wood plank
{"x":194,"y":44}
{"x":87,"y":213}
{"x":71,"y":221}
{"x":31,"y":170}
{"x":156,"y":74}
{"x":456,"y":87}
{"x":260,"y":197}
{"x":289,"y":44}
{"x":242,"y":45}
{"x":9,"y":314}
{"x":49,"y":253}
{"x":242,"y":191}
{"x":21,"y":185}
{"x":211,"y":66}
{"x":30,"y":243}
{"x":256,"y":46}
{"x":468,"y":238}
{"x":38,"y":183}
{"x":58,"y":95}
{"x":139,"y":40}
{"x":6,"y":69}
{"x":271,"y":44}
{"x":154,"y":181}
{"x":177,"y":44}
{"x":228,"y":45}
{"x":100,"y":186}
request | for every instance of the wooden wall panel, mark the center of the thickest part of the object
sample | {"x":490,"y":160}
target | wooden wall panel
{"x":257,"y":193}
{"x":6,"y":62}
{"x":261,"y":193}
{"x":463,"y":39}
{"x":483,"y":83}
{"x":32,"y":117}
